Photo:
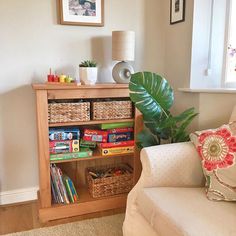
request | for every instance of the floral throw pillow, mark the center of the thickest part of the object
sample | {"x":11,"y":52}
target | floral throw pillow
{"x":217,"y":149}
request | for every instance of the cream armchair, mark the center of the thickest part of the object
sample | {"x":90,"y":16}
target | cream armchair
{"x":169,"y":198}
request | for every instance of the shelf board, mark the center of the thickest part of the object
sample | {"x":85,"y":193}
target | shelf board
{"x":85,"y":205}
{"x":97,"y":155}
{"x":91,"y":122}
{"x":84,"y":196}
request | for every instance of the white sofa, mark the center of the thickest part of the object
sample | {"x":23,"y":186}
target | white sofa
{"x":169,"y":198}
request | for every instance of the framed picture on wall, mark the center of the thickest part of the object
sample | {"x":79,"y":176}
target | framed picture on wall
{"x":81,"y":12}
{"x":177,"y":11}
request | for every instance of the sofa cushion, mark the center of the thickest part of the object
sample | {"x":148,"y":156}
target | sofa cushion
{"x":217,"y":149}
{"x":186,"y":211}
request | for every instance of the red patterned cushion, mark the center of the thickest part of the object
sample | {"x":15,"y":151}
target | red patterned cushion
{"x":217,"y":150}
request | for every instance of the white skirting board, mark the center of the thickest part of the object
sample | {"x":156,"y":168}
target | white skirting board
{"x":18,"y":195}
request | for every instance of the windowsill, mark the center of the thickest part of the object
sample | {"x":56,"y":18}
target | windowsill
{"x":209,"y":90}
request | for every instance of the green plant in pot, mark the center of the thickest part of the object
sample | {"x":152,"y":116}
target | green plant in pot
{"x":88,"y":72}
{"x":153,"y":97}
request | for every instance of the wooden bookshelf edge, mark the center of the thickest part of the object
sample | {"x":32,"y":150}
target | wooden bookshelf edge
{"x":47,"y":86}
{"x":70,"y":210}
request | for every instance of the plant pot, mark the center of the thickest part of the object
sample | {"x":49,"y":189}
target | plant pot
{"x":88,"y":75}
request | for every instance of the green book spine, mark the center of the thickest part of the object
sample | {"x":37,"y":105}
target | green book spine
{"x":68,"y":184}
{"x":117,"y":125}
{"x":73,"y":190}
{"x":84,"y":152}
{"x":68,"y":189}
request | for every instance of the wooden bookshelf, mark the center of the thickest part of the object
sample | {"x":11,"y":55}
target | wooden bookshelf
{"x":45,"y":93}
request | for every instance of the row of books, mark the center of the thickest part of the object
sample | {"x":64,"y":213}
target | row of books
{"x":62,"y":187}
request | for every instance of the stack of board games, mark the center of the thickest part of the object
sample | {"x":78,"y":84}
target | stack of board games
{"x":62,"y":187}
{"x":64,"y":144}
{"x":111,"y":139}
{"x":120,"y":139}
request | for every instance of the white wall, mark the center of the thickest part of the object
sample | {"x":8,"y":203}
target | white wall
{"x":31,"y":41}
{"x":177,"y":58}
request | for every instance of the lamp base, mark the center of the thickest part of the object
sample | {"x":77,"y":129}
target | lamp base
{"x":122,"y":72}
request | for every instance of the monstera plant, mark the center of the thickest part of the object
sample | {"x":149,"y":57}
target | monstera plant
{"x":153,"y":97}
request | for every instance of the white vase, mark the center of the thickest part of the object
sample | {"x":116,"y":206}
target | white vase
{"x":88,"y":75}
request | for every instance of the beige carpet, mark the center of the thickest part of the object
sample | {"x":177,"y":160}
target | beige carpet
{"x":104,"y":226}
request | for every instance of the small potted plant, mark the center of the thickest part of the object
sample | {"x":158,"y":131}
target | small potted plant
{"x":88,"y":72}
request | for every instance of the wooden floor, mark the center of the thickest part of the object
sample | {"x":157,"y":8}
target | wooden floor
{"x":22,"y":217}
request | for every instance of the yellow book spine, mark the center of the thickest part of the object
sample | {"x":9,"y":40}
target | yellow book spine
{"x":117,"y":150}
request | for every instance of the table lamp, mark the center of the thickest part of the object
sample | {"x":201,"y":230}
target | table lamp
{"x":123,"y":45}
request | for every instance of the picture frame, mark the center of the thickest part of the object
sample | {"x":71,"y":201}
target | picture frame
{"x":81,"y":12}
{"x":177,"y":11}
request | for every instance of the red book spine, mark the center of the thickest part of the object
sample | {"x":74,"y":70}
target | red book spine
{"x":120,"y":130}
{"x":117,"y":144}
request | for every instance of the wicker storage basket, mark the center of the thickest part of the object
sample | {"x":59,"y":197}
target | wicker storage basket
{"x":103,"y":187}
{"x":109,"y":110}
{"x":68,"y":112}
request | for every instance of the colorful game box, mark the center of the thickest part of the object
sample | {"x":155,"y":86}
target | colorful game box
{"x":64,"y":134}
{"x":95,"y":135}
{"x":63,"y":146}
{"x":87,"y":144}
{"x":117,"y":125}
{"x":117,"y":150}
{"x":84,"y":152}
{"x":120,"y":130}
{"x":118,"y":137}
{"x":117,"y":144}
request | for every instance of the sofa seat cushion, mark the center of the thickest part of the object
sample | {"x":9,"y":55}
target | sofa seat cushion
{"x":186,"y":211}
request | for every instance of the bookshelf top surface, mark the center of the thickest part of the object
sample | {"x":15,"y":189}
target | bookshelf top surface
{"x":57,"y":86}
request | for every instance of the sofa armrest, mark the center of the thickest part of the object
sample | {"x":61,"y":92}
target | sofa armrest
{"x":169,"y":165}
{"x":172,"y":165}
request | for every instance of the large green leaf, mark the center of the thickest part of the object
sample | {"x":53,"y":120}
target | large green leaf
{"x":180,"y":134}
{"x":184,"y":115}
{"x":151,"y":94}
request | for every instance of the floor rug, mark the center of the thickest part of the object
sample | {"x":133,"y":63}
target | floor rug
{"x":104,"y":226}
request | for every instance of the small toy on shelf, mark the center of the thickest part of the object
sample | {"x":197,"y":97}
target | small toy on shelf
{"x":50,"y":76}
{"x":61,"y":80}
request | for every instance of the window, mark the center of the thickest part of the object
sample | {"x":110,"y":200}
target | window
{"x":213,"y":62}
{"x":230,"y":65}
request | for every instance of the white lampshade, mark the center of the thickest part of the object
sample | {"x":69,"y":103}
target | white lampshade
{"x":123,"y":45}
